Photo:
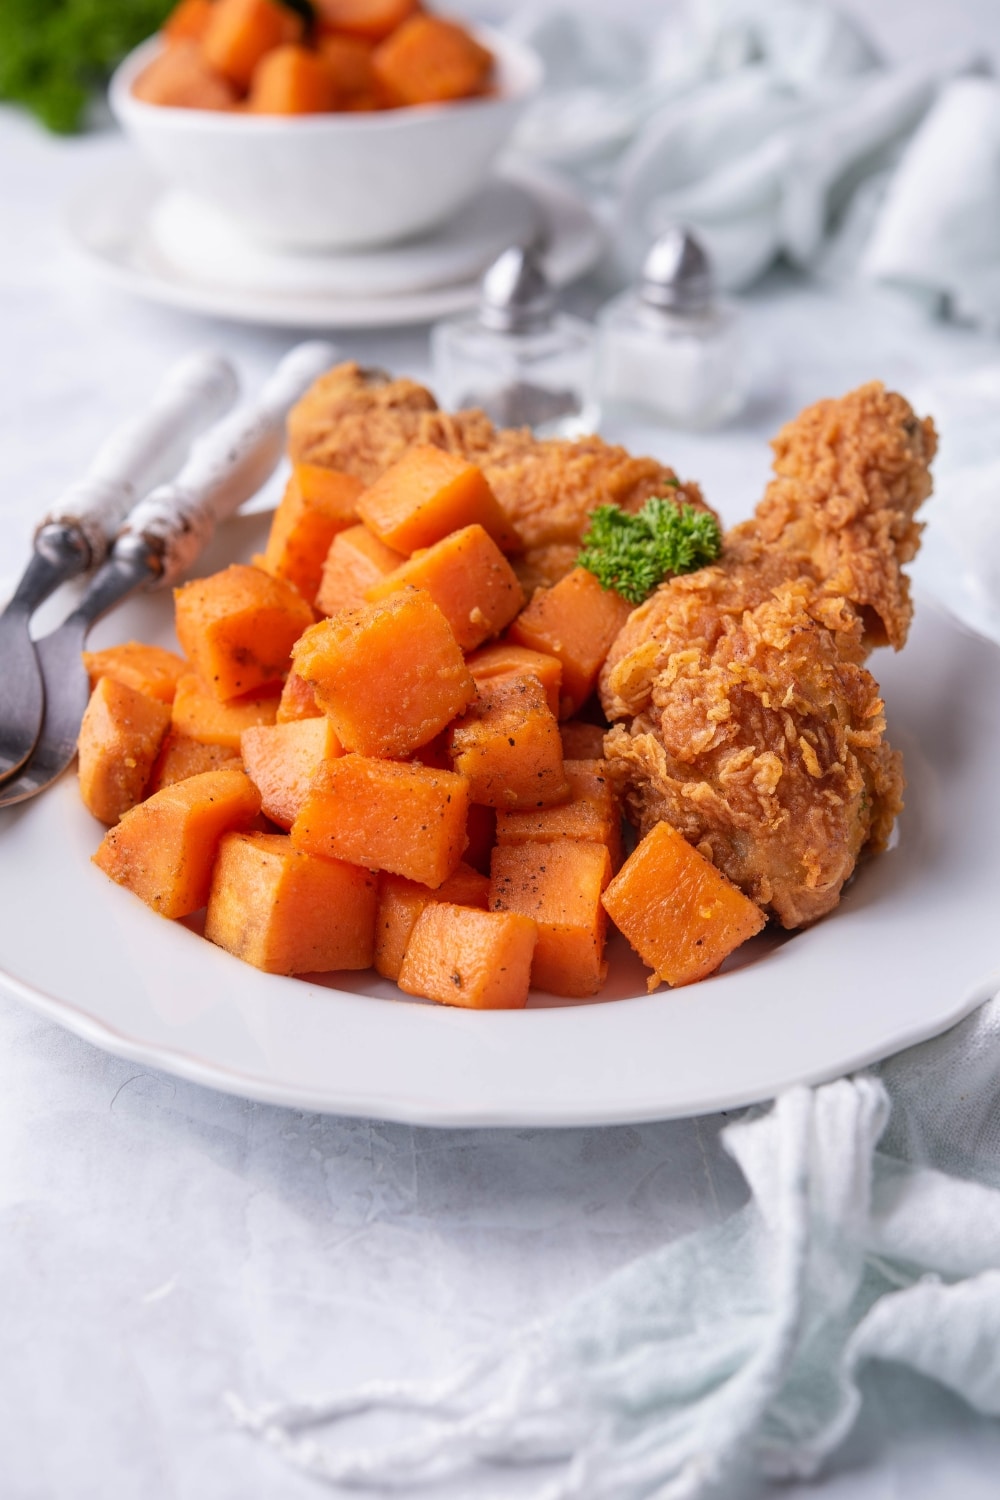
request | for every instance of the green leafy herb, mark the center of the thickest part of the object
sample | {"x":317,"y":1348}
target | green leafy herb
{"x":632,"y":554}
{"x":55,"y":53}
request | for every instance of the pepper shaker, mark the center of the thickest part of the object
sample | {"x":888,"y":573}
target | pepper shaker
{"x":516,"y":357}
{"x":669,"y":348}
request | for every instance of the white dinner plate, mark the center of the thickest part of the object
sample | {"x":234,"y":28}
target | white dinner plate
{"x":914,"y":944}
{"x":152,"y":242}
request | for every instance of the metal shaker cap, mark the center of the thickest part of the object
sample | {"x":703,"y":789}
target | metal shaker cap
{"x":515,"y":295}
{"x":677,"y":274}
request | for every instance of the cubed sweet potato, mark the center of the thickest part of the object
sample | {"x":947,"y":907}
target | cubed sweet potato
{"x":181,"y":757}
{"x":582,"y":741}
{"x":288,"y":912}
{"x":120,"y":738}
{"x":384,"y":815}
{"x":390,"y":675}
{"x":505,"y":659}
{"x":373,"y":19}
{"x":180,"y":78}
{"x":681,"y":915}
{"x":348,"y":60}
{"x":559,"y":886}
{"x":428,"y":60}
{"x":240,"y":32}
{"x":187,"y":21}
{"x":356,"y":560}
{"x":148,"y":669}
{"x":469,"y":579}
{"x":317,"y":503}
{"x":163,"y":849}
{"x":576,"y":620}
{"x":477,"y":959}
{"x":292,"y":80}
{"x":297,"y":701}
{"x":428,"y":493}
{"x":508,"y":745}
{"x":592,"y":814}
{"x":238,"y":627}
{"x":281,"y":761}
{"x":400,"y":903}
{"x":197,"y":713}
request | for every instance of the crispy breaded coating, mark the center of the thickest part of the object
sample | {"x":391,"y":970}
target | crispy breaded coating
{"x":767,"y":751}
{"x":754,"y":728}
{"x":361,"y":422}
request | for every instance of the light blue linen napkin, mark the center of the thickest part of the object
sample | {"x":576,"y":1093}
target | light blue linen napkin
{"x":772,"y":128}
{"x":872,"y":1232}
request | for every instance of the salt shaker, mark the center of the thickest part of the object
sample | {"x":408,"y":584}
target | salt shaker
{"x":669,"y":348}
{"x":516,"y":357}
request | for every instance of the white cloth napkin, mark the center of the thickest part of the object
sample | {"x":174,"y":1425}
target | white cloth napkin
{"x":939,"y":229}
{"x":768,"y":126}
{"x":872,"y":1232}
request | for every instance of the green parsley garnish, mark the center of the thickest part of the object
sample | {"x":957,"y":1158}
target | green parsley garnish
{"x":632,"y":554}
{"x":55,"y":53}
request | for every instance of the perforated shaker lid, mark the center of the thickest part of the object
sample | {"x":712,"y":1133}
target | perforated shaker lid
{"x":515,"y":295}
{"x":677,"y":273}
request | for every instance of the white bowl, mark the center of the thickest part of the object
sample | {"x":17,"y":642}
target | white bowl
{"x":331,"y":181}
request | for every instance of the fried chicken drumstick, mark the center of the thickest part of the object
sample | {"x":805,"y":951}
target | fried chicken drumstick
{"x":751,"y":724}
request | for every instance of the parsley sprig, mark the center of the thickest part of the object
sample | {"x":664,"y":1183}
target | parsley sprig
{"x":633,"y":553}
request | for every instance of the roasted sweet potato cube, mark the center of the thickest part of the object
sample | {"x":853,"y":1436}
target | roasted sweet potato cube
{"x":292,"y":80}
{"x":559,"y":886}
{"x":681,"y":915}
{"x":297,"y":701}
{"x":238,"y":627}
{"x":179,"y":77}
{"x":148,"y":669}
{"x":348,"y":60}
{"x":592,"y":814}
{"x":508,"y":745}
{"x":408,"y":820}
{"x":289,"y":912}
{"x":120,"y":738}
{"x":582,"y":741}
{"x":480,"y":960}
{"x":373,"y":19}
{"x":356,"y":560}
{"x":240,"y":32}
{"x":198,"y":715}
{"x":317,"y":503}
{"x":429,"y":60}
{"x":505,"y":659}
{"x":163,"y":849}
{"x":281,"y":761}
{"x":181,"y":757}
{"x":400,"y":903}
{"x":390,"y":675}
{"x":469,"y":579}
{"x":428,"y":493}
{"x":187,"y":21}
{"x":576,"y":620}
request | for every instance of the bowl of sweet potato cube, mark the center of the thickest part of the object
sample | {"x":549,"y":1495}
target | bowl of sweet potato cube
{"x":329,"y":125}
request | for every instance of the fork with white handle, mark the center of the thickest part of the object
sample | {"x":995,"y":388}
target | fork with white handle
{"x":78,"y":532}
{"x":161,"y":537}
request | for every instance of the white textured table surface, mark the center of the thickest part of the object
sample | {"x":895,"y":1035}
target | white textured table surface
{"x":161,"y":1244}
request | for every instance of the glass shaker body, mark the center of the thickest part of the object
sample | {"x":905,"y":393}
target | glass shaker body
{"x":655,"y":363}
{"x":543,"y":378}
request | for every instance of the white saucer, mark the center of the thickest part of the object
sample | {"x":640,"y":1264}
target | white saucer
{"x":163,"y":246}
